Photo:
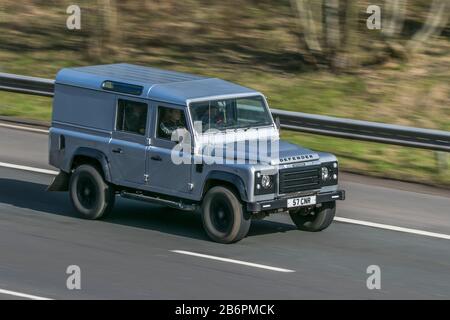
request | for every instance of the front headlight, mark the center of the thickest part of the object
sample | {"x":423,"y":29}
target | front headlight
{"x":266,"y":181}
{"x":325,"y":173}
{"x":329,"y":173}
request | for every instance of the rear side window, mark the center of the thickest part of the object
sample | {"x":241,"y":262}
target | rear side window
{"x":131,"y":117}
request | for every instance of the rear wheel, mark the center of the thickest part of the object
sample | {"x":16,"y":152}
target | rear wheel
{"x":91,"y":196}
{"x":224,"y":217}
{"x":314,"y":219}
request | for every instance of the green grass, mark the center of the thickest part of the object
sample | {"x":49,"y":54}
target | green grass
{"x":393,"y":162}
{"x":25,"y":106}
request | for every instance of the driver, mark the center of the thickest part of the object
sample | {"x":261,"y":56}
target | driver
{"x":171,"y":121}
{"x":213,"y":116}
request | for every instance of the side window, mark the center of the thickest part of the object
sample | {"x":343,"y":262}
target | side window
{"x":131,"y":116}
{"x":169,"y":120}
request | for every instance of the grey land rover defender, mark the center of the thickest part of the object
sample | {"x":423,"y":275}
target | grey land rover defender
{"x":141,"y":133}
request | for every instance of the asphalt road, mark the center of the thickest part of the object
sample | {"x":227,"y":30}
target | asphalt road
{"x":130,"y":254}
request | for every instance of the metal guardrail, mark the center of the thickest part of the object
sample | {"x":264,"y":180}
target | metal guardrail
{"x":364,"y":130}
{"x":28,"y":85}
{"x":296,"y":121}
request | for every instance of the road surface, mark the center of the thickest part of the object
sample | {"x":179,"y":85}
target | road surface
{"x":146,"y":251}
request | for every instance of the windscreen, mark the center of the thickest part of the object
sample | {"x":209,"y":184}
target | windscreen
{"x":232,"y":113}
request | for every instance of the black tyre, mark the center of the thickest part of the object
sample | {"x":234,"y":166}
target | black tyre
{"x":224,"y":217}
{"x":315,"y":219}
{"x":91,"y":196}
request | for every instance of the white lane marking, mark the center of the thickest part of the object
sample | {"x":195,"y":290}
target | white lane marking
{"x":249,"y":264}
{"x":22,"y":295}
{"x":26,"y":168}
{"x":23,"y":128}
{"x":393,"y":228}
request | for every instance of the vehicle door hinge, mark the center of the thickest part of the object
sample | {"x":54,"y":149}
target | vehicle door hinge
{"x":146,"y":177}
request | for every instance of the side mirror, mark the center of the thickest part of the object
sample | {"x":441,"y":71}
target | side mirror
{"x":277,"y":123}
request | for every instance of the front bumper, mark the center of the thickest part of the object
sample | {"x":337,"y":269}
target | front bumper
{"x":282,"y":203}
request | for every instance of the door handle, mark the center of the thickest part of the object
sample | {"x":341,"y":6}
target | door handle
{"x":118,"y":150}
{"x":156,"y":158}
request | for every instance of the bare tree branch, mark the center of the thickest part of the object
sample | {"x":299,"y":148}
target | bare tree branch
{"x":110,"y":22}
{"x":395,"y":12}
{"x":332,"y":27}
{"x":104,"y":30}
{"x":436,"y":21}
{"x":349,"y":34}
{"x":309,"y":25}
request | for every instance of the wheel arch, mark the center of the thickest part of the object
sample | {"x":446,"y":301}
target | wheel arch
{"x":85,"y":155}
{"x":221,"y":178}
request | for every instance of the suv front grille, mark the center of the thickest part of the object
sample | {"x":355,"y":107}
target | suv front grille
{"x":299,"y":179}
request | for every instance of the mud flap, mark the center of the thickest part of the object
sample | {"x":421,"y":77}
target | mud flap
{"x":60,"y":182}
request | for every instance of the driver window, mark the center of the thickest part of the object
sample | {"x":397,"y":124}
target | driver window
{"x":169,"y":120}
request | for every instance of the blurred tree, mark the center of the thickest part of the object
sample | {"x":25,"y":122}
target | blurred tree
{"x":434,"y":24}
{"x":331,"y":35}
{"x":328,"y":28}
{"x":331,"y":27}
{"x":393,"y":20}
{"x":104,"y":32}
{"x":349,"y":35}
{"x":311,"y":27}
{"x":111,"y":25}
{"x":394,"y":17}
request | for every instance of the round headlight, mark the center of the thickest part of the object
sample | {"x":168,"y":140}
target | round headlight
{"x":266,"y":182}
{"x":325,"y":173}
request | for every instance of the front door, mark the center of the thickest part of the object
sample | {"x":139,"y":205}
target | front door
{"x":165,"y":175}
{"x":129,"y":143}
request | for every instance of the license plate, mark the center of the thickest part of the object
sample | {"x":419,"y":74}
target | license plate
{"x":300,"y":202}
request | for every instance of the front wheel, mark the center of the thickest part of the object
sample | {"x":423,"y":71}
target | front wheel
{"x":314,"y":219}
{"x":91,"y":196}
{"x":224,"y":217}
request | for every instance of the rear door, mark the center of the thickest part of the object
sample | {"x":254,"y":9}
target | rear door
{"x":129,"y":142}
